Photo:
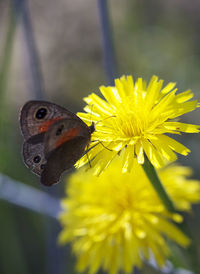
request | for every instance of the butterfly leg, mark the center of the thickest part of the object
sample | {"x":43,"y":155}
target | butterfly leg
{"x":99,"y":142}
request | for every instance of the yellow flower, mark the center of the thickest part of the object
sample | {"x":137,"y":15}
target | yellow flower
{"x":116,"y":220}
{"x":135,"y":118}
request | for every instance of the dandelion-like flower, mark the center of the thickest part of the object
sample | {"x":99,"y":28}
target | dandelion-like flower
{"x":136,"y":118}
{"x":116,"y":221}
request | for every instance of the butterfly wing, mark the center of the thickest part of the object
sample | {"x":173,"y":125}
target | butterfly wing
{"x":63,"y":131}
{"x":64,"y":144}
{"x":35,"y":119}
{"x":55,"y":139}
{"x":33,"y":154}
{"x":63,"y":158}
{"x":37,"y":116}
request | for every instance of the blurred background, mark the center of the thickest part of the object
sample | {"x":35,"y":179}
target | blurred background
{"x":54,"y":50}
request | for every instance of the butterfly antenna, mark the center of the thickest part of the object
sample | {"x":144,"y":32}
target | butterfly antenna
{"x":94,"y":124}
{"x":91,"y":113}
{"x":104,"y":119}
{"x":92,"y":129}
{"x":99,"y":142}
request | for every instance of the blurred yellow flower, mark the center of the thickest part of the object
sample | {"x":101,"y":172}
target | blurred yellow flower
{"x":116,"y":220}
{"x":135,"y":118}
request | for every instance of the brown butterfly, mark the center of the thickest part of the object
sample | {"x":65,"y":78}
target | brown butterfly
{"x":55,"y":139}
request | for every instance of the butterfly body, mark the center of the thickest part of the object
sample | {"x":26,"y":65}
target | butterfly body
{"x":55,"y":139}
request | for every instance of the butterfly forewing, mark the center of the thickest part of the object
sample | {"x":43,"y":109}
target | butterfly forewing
{"x":38,"y":116}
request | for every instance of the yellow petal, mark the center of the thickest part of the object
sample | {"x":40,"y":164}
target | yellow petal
{"x":173,"y":144}
{"x":128,"y":158}
{"x":111,"y":94}
{"x":164,"y":150}
{"x":184,"y":96}
{"x":165,"y":101}
{"x":169,"y":87}
{"x":152,"y":93}
{"x":152,"y":154}
{"x":174,"y":233}
{"x":189,"y":128}
{"x":178,"y":110}
{"x":139,"y":152}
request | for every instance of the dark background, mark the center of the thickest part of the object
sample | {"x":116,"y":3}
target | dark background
{"x":150,"y":37}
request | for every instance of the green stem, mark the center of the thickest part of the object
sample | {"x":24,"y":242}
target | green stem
{"x":157,"y":185}
{"x":7,"y":55}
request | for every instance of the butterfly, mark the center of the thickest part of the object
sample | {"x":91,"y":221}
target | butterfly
{"x":54,"y":139}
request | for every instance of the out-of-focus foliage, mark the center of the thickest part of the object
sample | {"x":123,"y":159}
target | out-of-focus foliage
{"x":150,"y":37}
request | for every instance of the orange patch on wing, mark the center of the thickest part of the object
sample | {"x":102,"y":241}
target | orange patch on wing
{"x":45,"y":126}
{"x":69,"y":135}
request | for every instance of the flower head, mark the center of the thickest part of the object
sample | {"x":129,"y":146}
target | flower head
{"x":116,"y":220}
{"x":135,"y":117}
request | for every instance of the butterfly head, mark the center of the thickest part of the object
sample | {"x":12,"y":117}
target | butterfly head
{"x":92,"y":128}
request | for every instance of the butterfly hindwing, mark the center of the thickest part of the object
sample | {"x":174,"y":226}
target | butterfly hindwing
{"x":63,"y":131}
{"x":33,"y":154}
{"x":62,"y":158}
